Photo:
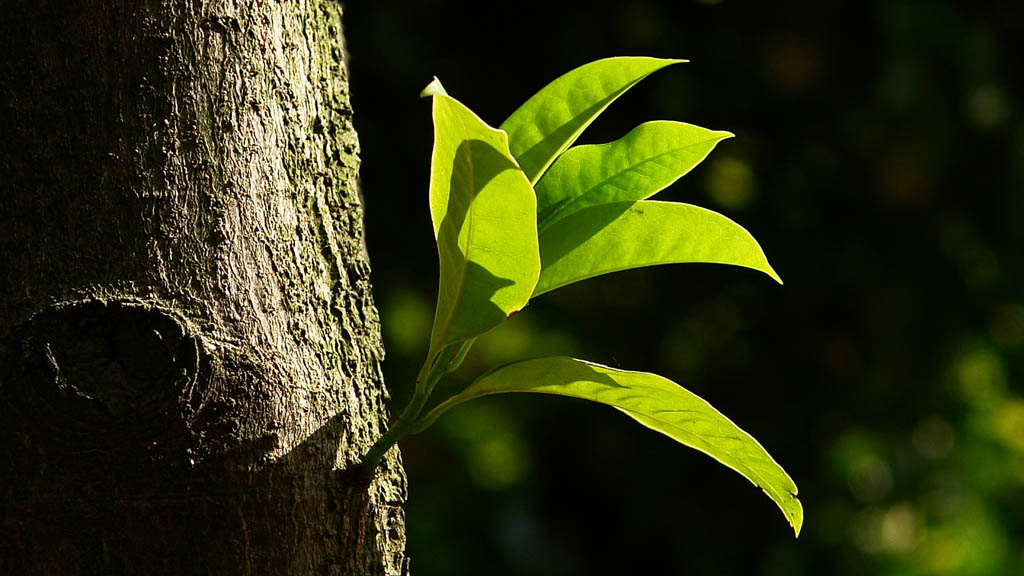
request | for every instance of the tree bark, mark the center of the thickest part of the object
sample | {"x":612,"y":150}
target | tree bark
{"x":189,"y":353}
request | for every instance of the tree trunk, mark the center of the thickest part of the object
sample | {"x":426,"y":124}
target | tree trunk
{"x":190,"y":353}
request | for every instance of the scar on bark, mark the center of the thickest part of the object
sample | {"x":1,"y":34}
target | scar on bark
{"x":100,"y":374}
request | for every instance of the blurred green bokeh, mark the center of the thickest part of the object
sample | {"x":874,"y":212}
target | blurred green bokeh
{"x":878,"y":159}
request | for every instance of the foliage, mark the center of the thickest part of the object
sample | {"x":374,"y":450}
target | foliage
{"x":877,"y":160}
{"x":518,"y":212}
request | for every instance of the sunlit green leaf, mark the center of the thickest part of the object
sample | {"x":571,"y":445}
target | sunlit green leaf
{"x":635,"y":167}
{"x":655,"y":402}
{"x":623,"y":235}
{"x":484,"y":214}
{"x":552,"y":119}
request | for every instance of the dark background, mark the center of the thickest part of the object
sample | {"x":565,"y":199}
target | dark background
{"x":878,"y":159}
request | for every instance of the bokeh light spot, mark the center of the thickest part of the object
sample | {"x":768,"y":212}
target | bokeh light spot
{"x":987,"y":107}
{"x":868,"y":475}
{"x":870,"y":480}
{"x":980,"y":374}
{"x":496,"y":455}
{"x":1008,"y":424}
{"x":901,"y":528}
{"x":730,"y":183}
{"x":407,"y":316}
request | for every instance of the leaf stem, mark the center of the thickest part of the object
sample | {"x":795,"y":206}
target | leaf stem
{"x":430,"y":374}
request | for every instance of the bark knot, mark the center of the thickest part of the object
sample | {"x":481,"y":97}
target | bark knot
{"x":100,"y":374}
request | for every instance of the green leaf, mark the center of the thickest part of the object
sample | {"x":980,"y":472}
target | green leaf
{"x":552,"y":119}
{"x":433,"y":89}
{"x":484,"y":214}
{"x":635,"y":167}
{"x":655,"y":402}
{"x":623,"y":235}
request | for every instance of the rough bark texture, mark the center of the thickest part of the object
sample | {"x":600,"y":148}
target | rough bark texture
{"x":190,"y":353}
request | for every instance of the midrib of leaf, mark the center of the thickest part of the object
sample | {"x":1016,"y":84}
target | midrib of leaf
{"x":600,"y":106}
{"x":757,"y":478}
{"x":708,"y":440}
{"x":550,"y":219}
{"x":620,"y":269}
{"x":465,"y":259}
{"x":764,"y":484}
{"x":593,"y":111}
{"x":576,"y":278}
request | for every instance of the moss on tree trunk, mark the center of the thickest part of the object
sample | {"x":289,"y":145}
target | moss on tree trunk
{"x":189,"y":353}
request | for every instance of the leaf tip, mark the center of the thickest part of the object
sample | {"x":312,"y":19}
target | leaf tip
{"x":796,"y":520}
{"x":771,"y":272}
{"x":765,"y":267}
{"x":433,"y":89}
